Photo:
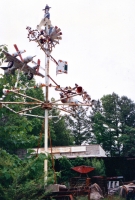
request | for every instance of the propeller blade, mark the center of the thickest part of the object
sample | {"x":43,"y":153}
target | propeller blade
{"x":16,"y":48}
{"x":38,"y":65}
{"x":38,"y":62}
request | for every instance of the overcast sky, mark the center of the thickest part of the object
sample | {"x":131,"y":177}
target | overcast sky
{"x":98,"y":41}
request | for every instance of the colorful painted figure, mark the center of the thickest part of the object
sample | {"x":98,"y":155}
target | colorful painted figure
{"x":46,"y":20}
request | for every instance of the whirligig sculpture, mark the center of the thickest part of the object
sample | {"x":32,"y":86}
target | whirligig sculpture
{"x":47,"y":37}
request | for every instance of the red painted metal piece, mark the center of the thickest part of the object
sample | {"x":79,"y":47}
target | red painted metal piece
{"x":18,"y":51}
{"x":83,"y":169}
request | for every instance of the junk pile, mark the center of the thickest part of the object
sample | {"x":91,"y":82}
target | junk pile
{"x":94,"y":188}
{"x":128,"y":191}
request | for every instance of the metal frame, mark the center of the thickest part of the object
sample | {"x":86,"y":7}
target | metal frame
{"x":67,"y":93}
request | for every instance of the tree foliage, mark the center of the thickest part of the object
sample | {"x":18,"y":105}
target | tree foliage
{"x":80,"y":126}
{"x":59,"y":132}
{"x":113,"y":125}
{"x":18,"y":131}
{"x":2,"y":56}
{"x":22,"y":179}
{"x":99,"y":167}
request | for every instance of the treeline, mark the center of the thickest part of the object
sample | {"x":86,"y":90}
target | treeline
{"x":110,"y":123}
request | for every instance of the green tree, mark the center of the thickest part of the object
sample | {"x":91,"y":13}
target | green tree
{"x":102,"y":135}
{"x":18,"y":131}
{"x":60,"y":134}
{"x":110,"y":124}
{"x":2,"y":56}
{"x":23,"y":179}
{"x":80,"y":125}
{"x":99,"y":167}
{"x":128,"y":141}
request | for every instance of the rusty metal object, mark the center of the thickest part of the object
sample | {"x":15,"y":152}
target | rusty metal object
{"x":47,"y":106}
{"x":78,"y":186}
{"x":69,"y":194}
{"x":83,"y":169}
{"x":63,"y":197}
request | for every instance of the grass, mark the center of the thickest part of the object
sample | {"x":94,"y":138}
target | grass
{"x":113,"y":198}
{"x":107,"y":198}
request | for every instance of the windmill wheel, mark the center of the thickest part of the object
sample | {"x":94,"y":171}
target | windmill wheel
{"x":33,"y":35}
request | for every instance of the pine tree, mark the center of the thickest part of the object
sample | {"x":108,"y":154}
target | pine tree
{"x":80,"y":126}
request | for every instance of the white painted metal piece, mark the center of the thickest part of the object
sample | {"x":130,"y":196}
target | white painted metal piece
{"x":62,"y":67}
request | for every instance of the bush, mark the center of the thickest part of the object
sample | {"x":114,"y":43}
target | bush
{"x":22,"y":179}
{"x":99,"y":167}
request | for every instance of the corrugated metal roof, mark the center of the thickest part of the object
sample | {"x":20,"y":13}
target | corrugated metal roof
{"x":92,"y":150}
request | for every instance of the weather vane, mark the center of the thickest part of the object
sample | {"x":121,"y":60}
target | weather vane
{"x":47,"y":37}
